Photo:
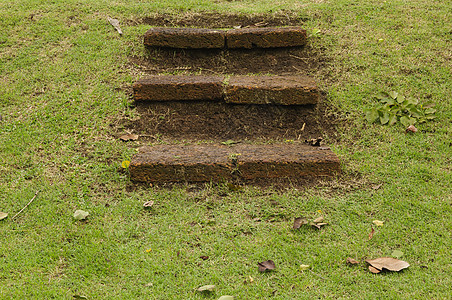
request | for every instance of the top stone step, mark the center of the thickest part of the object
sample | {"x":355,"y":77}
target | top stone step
{"x":200,"y":38}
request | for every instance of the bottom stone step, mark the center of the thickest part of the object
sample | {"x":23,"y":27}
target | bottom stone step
{"x":201,"y":163}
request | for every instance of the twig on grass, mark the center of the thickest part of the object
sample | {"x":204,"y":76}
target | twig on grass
{"x":34,"y":197}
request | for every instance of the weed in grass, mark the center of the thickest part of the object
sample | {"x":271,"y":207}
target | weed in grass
{"x":394,"y":108}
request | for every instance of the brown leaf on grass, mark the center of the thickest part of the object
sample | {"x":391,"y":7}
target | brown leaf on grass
{"x":148,"y":204}
{"x":388,"y":263}
{"x":319,"y":220}
{"x":206,"y":288}
{"x":314,"y":142}
{"x":373,"y":270}
{"x":352,"y":261}
{"x":411,"y":129}
{"x":318,"y":225}
{"x":378,"y":222}
{"x":298,"y":222}
{"x":266,"y":266}
{"x":115,"y":24}
{"x":129,"y":137}
{"x":204,"y":257}
{"x":3,"y":215}
{"x":371,"y":234}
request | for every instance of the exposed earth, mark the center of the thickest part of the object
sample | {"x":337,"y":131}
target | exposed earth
{"x":217,"y":121}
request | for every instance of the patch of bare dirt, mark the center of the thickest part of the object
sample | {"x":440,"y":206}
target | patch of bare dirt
{"x":284,"y":61}
{"x":217,"y":121}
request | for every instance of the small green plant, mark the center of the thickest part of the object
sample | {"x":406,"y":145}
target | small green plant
{"x":394,"y":108}
{"x":315,"y":32}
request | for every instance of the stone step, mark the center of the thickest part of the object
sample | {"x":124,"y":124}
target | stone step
{"x":184,"y":38}
{"x":283,"y":90}
{"x":200,"y":38}
{"x":214,"y":163}
{"x":265,"y":37}
{"x":178,"y":87}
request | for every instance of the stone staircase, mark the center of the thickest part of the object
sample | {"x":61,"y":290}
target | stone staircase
{"x":247,"y":161}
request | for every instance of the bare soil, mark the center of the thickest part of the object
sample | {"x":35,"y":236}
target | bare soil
{"x":203,"y":120}
{"x":217,"y":121}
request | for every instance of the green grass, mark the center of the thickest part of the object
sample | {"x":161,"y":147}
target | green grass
{"x":62,"y":70}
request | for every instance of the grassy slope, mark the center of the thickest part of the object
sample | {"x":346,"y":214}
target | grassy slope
{"x":60,"y":71}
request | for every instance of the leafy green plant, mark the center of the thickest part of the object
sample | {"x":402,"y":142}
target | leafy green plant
{"x":393,"y":108}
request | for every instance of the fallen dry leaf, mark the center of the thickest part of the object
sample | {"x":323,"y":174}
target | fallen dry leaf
{"x":3,"y":215}
{"x":129,"y":137}
{"x":352,"y":261}
{"x":148,"y":204}
{"x":388,"y":263}
{"x":318,"y":225}
{"x":298,"y":222}
{"x":266,"y":266}
{"x":314,"y":142}
{"x":411,"y":129}
{"x":319,"y":220}
{"x":373,"y":270}
{"x":378,"y":223}
{"x":204,"y":257}
{"x":371,"y":234}
{"x":226,"y":297}
{"x":115,"y":24}
{"x":206,"y":288}
{"x":80,"y":214}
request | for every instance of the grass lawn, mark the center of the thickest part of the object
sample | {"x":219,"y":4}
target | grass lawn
{"x":64,"y":79}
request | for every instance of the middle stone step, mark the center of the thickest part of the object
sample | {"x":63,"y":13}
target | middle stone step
{"x":283,"y":90}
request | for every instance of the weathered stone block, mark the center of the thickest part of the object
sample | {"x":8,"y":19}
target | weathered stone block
{"x":168,"y":88}
{"x":185,"y":38}
{"x":285,"y":90}
{"x":175,"y":163}
{"x":200,"y":163}
{"x":266,"y":37}
{"x":285,"y":161}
